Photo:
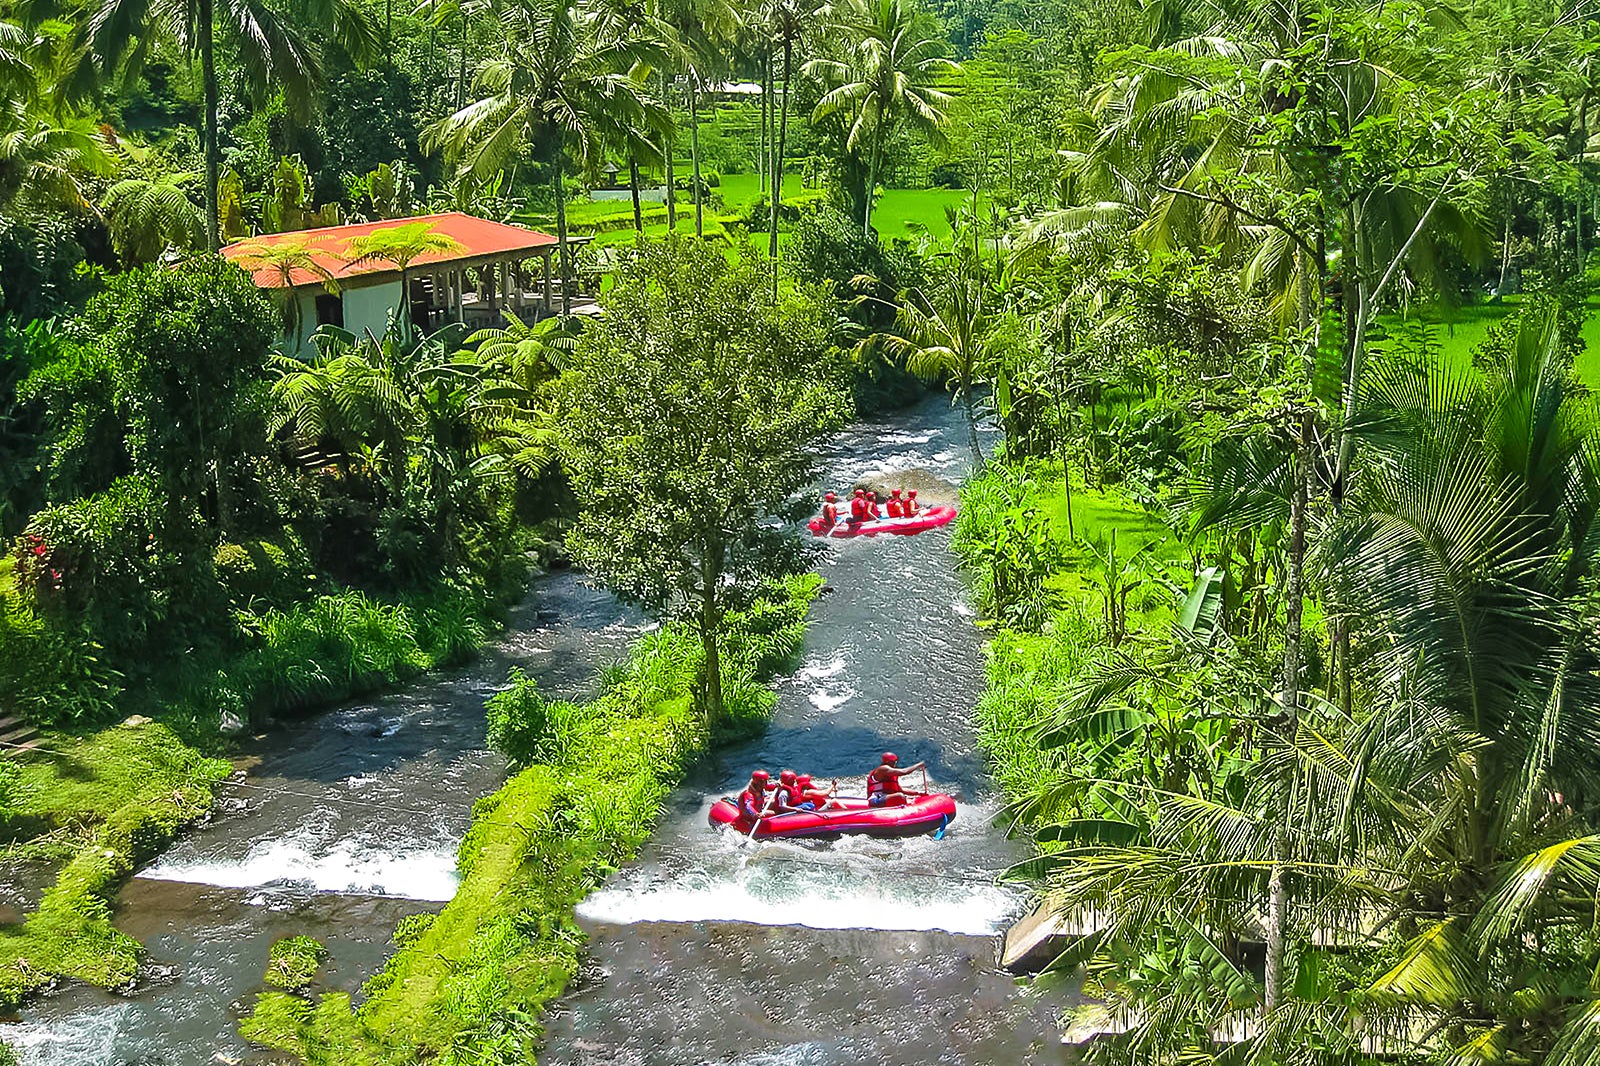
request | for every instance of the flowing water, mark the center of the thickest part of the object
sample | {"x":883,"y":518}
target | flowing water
{"x":345,"y":824}
{"x":712,"y":949}
{"x":707,"y":949}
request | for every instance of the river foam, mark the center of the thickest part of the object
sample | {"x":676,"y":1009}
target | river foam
{"x":349,"y":865}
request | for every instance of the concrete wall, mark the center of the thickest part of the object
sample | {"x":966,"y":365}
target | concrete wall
{"x":365,"y":307}
{"x":369,"y":306}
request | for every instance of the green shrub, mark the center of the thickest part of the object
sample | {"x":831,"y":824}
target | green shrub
{"x":293,"y":961}
{"x":51,"y":670}
{"x":272,"y":572}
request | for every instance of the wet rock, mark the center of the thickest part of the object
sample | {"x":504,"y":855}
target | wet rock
{"x":560,"y":562}
{"x":134,"y":721}
{"x":545,"y":614}
{"x":230,"y":725}
{"x":932,"y":490}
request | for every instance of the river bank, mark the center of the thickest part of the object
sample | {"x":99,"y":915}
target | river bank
{"x":347,"y":823}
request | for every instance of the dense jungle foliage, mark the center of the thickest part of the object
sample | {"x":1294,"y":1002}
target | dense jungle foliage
{"x":1289,"y":552}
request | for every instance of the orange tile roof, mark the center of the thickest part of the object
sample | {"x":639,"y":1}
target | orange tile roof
{"x":478,"y":237}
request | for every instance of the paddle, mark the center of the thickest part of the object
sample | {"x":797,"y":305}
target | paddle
{"x":762,"y":816}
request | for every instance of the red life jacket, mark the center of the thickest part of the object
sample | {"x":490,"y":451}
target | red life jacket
{"x":889,"y":784}
{"x":858,"y":508}
{"x":908,"y":507}
{"x":830,"y":514}
{"x":896,"y":508}
{"x":752,"y":803}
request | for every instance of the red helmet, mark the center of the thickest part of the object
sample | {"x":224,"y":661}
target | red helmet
{"x":787,"y":777}
{"x":896,"y":492}
{"x":803,"y":780}
{"x":861,"y":492}
{"x":890,"y":758}
{"x":830,"y":496}
{"x":759,"y":775}
{"x":911,"y":492}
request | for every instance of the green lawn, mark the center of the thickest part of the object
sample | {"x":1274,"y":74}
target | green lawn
{"x":1459,"y":331}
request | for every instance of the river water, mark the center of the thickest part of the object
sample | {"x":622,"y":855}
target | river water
{"x":706,"y":949}
{"x":710,"y":949}
{"x":345,"y":823}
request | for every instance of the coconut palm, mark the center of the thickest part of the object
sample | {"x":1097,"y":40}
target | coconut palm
{"x":147,"y":216}
{"x":273,"y":51}
{"x":789,"y":20}
{"x":43,"y":161}
{"x":561,"y":84}
{"x":887,"y":79}
{"x":943,"y":334}
{"x":400,"y":246}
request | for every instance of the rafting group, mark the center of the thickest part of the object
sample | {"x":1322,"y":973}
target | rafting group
{"x":867,"y":516}
{"x":793,"y":807}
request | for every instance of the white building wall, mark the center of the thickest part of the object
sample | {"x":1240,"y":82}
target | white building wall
{"x":369,"y":306}
{"x":365,"y":307}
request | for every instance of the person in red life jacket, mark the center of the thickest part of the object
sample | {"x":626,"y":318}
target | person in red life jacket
{"x":753,"y":803}
{"x":788,"y":797}
{"x":813,"y":799}
{"x":896,"y":506}
{"x":883,"y":783}
{"x":873,"y":509}
{"x":908,"y":507}
{"x":858,"y":507}
{"x":830,"y":511}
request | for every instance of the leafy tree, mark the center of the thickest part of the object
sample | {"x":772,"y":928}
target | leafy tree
{"x":691,"y":403}
{"x":185,"y":343}
{"x":147,"y":216}
{"x":887,"y":79}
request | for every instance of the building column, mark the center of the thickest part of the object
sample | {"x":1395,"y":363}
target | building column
{"x":547,"y":283}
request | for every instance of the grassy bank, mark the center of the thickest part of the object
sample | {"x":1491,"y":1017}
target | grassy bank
{"x":593,"y":777}
{"x":1116,"y":565}
{"x":107,"y":803}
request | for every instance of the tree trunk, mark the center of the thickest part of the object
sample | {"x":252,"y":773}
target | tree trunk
{"x":1289,"y":700}
{"x":694,"y":152}
{"x":633,"y":187}
{"x":558,"y":180}
{"x":777,"y":160}
{"x":208,"y":75}
{"x":668,"y":141}
{"x":461,"y":81}
{"x":872,"y":182}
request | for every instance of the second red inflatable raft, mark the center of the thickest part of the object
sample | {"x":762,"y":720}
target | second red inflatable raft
{"x":931,"y":518}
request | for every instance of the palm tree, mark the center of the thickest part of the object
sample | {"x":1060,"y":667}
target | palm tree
{"x":149,"y":215}
{"x":286,"y":257}
{"x":524,"y":354}
{"x":42,"y":161}
{"x":946,"y":337}
{"x":888,"y":79}
{"x":561,"y":84}
{"x":400,"y":246}
{"x":789,"y":19}
{"x":273,"y":52}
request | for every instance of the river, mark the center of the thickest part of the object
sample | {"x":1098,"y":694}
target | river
{"x":706,"y":949}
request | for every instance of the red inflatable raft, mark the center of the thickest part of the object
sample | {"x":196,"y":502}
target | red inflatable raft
{"x":932,"y":518}
{"x":920,"y":814}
